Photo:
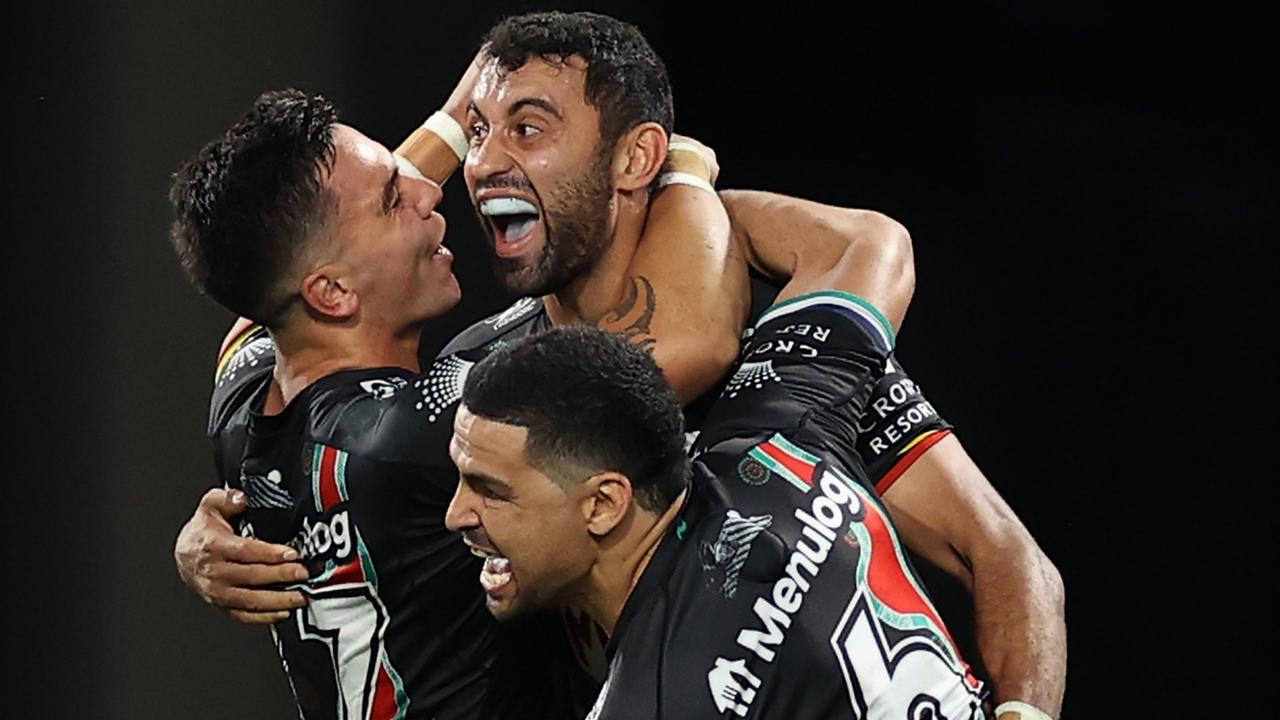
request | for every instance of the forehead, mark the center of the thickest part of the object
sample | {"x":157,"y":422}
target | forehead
{"x":358,"y":161}
{"x":561,"y":82}
{"x":486,"y":446}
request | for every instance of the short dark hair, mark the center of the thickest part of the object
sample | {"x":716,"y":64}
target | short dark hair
{"x":246,"y":202}
{"x":626,"y":80}
{"x":591,"y":399}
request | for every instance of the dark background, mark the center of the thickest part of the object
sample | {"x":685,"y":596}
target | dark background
{"x":1089,"y":186}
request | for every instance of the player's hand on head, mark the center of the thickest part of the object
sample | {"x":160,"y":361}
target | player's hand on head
{"x":705,"y":151}
{"x":233,"y":572}
{"x":456,"y":106}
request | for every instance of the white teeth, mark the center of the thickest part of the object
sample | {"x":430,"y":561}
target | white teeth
{"x":507,"y":206}
{"x":496,"y":573}
{"x":442,"y":250}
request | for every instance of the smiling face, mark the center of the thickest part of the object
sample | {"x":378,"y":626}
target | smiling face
{"x":538,"y":174}
{"x":388,"y":241}
{"x":532,"y":532}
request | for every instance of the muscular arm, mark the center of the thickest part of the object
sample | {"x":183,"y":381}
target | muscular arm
{"x":688,"y":295}
{"x":944,"y":507}
{"x":947,"y":512}
{"x":821,"y":247}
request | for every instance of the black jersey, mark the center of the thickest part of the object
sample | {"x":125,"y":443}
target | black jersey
{"x":895,"y":426}
{"x":356,"y":476}
{"x":781,"y":590}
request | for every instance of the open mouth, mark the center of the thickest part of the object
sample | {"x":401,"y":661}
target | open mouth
{"x":513,"y":221}
{"x":496,"y":573}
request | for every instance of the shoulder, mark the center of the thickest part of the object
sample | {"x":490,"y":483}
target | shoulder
{"x":524,"y":317}
{"x":244,"y":365}
{"x":395,"y":416}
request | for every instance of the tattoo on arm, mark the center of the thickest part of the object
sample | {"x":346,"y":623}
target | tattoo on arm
{"x":634,"y":314}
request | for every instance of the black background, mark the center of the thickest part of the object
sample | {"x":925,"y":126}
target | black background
{"x":1090,"y":188}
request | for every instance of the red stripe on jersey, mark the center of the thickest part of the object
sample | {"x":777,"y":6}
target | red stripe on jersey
{"x":906,"y":461}
{"x":349,"y":573}
{"x":329,"y":495}
{"x":888,"y":580}
{"x":384,"y":697}
{"x":800,"y":468}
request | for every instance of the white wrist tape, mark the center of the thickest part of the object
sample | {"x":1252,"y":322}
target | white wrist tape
{"x":408,"y":168}
{"x":1028,"y":712}
{"x":448,"y":129}
{"x":684,"y":178}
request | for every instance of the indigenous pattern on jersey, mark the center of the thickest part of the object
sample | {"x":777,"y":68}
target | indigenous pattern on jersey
{"x":355,"y":476}
{"x":782,"y":589}
{"x":896,"y":425}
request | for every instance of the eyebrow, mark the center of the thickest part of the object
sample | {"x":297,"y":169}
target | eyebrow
{"x":389,"y":190}
{"x":539,"y":103}
{"x":479,"y":479}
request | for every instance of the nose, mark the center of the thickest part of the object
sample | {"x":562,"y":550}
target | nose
{"x":461,"y":514}
{"x":489,"y":158}
{"x":427,"y":195}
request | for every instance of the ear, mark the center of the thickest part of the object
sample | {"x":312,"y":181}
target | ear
{"x":325,"y":292}
{"x":607,"y":502}
{"x":639,"y":157}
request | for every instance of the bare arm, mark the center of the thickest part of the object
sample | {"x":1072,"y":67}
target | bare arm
{"x":688,"y":293}
{"x":943,"y":505}
{"x":822,"y":247}
{"x":428,"y":151}
{"x":948,"y":513}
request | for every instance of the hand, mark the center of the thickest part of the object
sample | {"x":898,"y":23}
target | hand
{"x":229,"y":571}
{"x":456,"y":106}
{"x":708,"y":155}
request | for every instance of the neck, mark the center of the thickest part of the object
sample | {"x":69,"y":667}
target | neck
{"x":305,"y":356}
{"x":622,"y":562}
{"x":600,"y":290}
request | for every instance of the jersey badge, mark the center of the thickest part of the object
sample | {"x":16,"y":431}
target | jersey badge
{"x":723,"y":559}
{"x":383,"y":388}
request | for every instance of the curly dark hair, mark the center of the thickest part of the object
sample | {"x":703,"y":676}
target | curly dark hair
{"x":626,"y":80}
{"x":247,"y":202}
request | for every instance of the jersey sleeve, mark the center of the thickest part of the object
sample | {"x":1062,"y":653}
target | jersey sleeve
{"x":240,"y":370}
{"x":808,"y":369}
{"x":897,"y":426}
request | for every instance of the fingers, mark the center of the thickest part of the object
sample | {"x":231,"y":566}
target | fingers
{"x":260,"y":618}
{"x":234,"y":548}
{"x":258,"y":575}
{"x":248,"y":600}
{"x":223,"y":503}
